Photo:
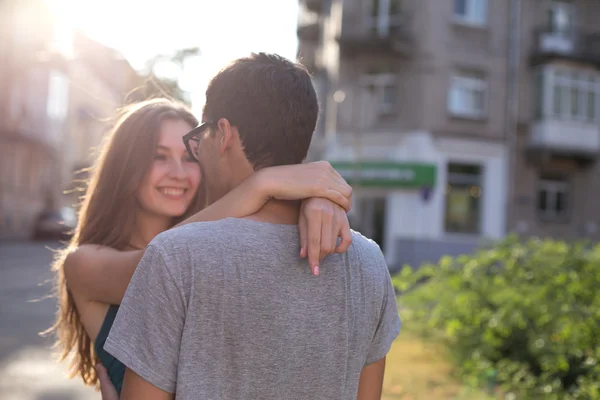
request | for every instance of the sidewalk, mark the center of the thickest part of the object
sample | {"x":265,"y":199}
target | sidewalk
{"x":33,"y":374}
{"x":28,"y":369}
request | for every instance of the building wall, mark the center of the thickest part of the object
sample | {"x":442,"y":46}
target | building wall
{"x":53,"y":111}
{"x":414,"y":229}
{"x":28,"y":140}
{"x":419,"y":230}
{"x":92,"y":108}
{"x":440,"y":47}
{"x":421,"y":129}
{"x":450,"y":47}
{"x":583,"y":217}
{"x":27,"y":182}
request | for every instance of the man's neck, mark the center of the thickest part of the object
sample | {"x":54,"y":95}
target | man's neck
{"x":278,"y":212}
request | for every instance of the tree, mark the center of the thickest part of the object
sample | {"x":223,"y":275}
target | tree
{"x":162,"y":76}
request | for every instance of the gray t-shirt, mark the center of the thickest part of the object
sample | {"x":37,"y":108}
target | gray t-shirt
{"x":228,"y":310}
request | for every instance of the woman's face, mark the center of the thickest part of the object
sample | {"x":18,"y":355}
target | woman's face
{"x":173,"y":179}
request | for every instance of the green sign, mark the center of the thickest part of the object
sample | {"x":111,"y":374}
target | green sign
{"x":386,"y":174}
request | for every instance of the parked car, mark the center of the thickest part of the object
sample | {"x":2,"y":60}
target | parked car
{"x":56,"y":224}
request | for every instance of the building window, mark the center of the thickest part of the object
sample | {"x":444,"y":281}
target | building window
{"x":16,"y":95}
{"x":384,"y":90}
{"x":561,"y":17}
{"x":568,"y":94}
{"x":383,"y":15}
{"x":18,"y":167}
{"x":467,"y":95}
{"x":538,"y":95}
{"x":471,"y":12}
{"x":31,"y":173}
{"x":463,"y":198}
{"x":553,"y":197}
{"x":35,"y":98}
{"x":388,"y":98}
{"x":58,"y":95}
{"x":6,"y":162}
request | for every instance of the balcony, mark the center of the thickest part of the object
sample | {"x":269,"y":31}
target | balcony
{"x":317,"y":6}
{"x":574,"y":45}
{"x":566,"y":114}
{"x":392,"y":37}
{"x":552,"y":138}
{"x":307,"y":57}
{"x":309,"y":31}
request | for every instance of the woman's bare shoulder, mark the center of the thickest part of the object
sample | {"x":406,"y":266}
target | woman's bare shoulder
{"x":83,"y":258}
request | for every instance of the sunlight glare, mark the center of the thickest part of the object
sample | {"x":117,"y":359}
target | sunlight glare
{"x":223,"y":30}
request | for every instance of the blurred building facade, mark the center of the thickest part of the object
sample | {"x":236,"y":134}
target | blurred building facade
{"x":60,"y":90}
{"x":458,"y":121}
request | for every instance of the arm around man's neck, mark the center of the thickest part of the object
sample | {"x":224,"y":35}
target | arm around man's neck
{"x":371,"y":381}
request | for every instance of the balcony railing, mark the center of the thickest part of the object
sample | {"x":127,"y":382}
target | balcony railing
{"x":309,"y":31}
{"x":572,"y":44}
{"x":317,"y":6}
{"x":565,"y":139}
{"x":393,"y":37}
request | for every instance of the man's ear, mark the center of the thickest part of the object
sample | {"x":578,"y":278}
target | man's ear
{"x":227,"y":135}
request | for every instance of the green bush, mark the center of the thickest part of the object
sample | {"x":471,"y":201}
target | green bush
{"x":524,"y":315}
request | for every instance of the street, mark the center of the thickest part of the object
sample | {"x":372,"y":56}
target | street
{"x":28,"y":369}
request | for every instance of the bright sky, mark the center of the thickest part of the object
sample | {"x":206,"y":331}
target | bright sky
{"x":222,"y":29}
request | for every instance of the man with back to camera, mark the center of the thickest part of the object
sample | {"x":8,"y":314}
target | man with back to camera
{"x":228,"y":309}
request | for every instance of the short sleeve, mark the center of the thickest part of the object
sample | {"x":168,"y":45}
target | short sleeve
{"x":146,"y":334}
{"x":389,"y":324}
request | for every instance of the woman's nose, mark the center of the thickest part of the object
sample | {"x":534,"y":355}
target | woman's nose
{"x":177,"y":170}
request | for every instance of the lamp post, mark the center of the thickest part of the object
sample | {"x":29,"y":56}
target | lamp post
{"x":512,"y":112}
{"x":340,"y":96}
{"x":357,"y":122}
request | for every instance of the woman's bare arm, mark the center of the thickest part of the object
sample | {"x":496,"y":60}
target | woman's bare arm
{"x":102,"y":273}
{"x":99,"y":273}
{"x":370,"y":384}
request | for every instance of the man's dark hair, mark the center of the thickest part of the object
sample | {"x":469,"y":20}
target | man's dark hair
{"x":272,"y":103}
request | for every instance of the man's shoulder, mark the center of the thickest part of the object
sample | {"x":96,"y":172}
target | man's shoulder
{"x":196,"y":236}
{"x":194,"y":241}
{"x":191,"y":231}
{"x":366,"y":255}
{"x":364,"y":246}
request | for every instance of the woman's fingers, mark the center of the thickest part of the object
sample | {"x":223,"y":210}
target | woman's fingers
{"x":314,"y":240}
{"x":345,"y":234}
{"x":303,"y":231}
{"x":107,"y":389}
{"x":328,"y":237}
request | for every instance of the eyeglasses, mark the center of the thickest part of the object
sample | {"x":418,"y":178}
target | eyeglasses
{"x":192,"y":139}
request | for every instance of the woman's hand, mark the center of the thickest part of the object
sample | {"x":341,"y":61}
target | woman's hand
{"x":303,"y":181}
{"x":321,"y":223}
{"x":107,"y":389}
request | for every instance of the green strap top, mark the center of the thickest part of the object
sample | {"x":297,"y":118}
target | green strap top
{"x":115,"y":368}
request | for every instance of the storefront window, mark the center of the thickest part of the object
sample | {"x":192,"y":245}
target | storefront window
{"x":463,"y":199}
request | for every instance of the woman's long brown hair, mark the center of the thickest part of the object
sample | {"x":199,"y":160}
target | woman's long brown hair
{"x":107,"y":211}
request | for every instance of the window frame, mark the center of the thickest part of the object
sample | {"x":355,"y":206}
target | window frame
{"x":378,"y":82}
{"x":384,"y":21}
{"x":464,"y":84}
{"x":558,"y":84}
{"x":472,"y":16}
{"x":554,"y":185}
{"x":465,"y":179}
{"x":57,"y":105}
